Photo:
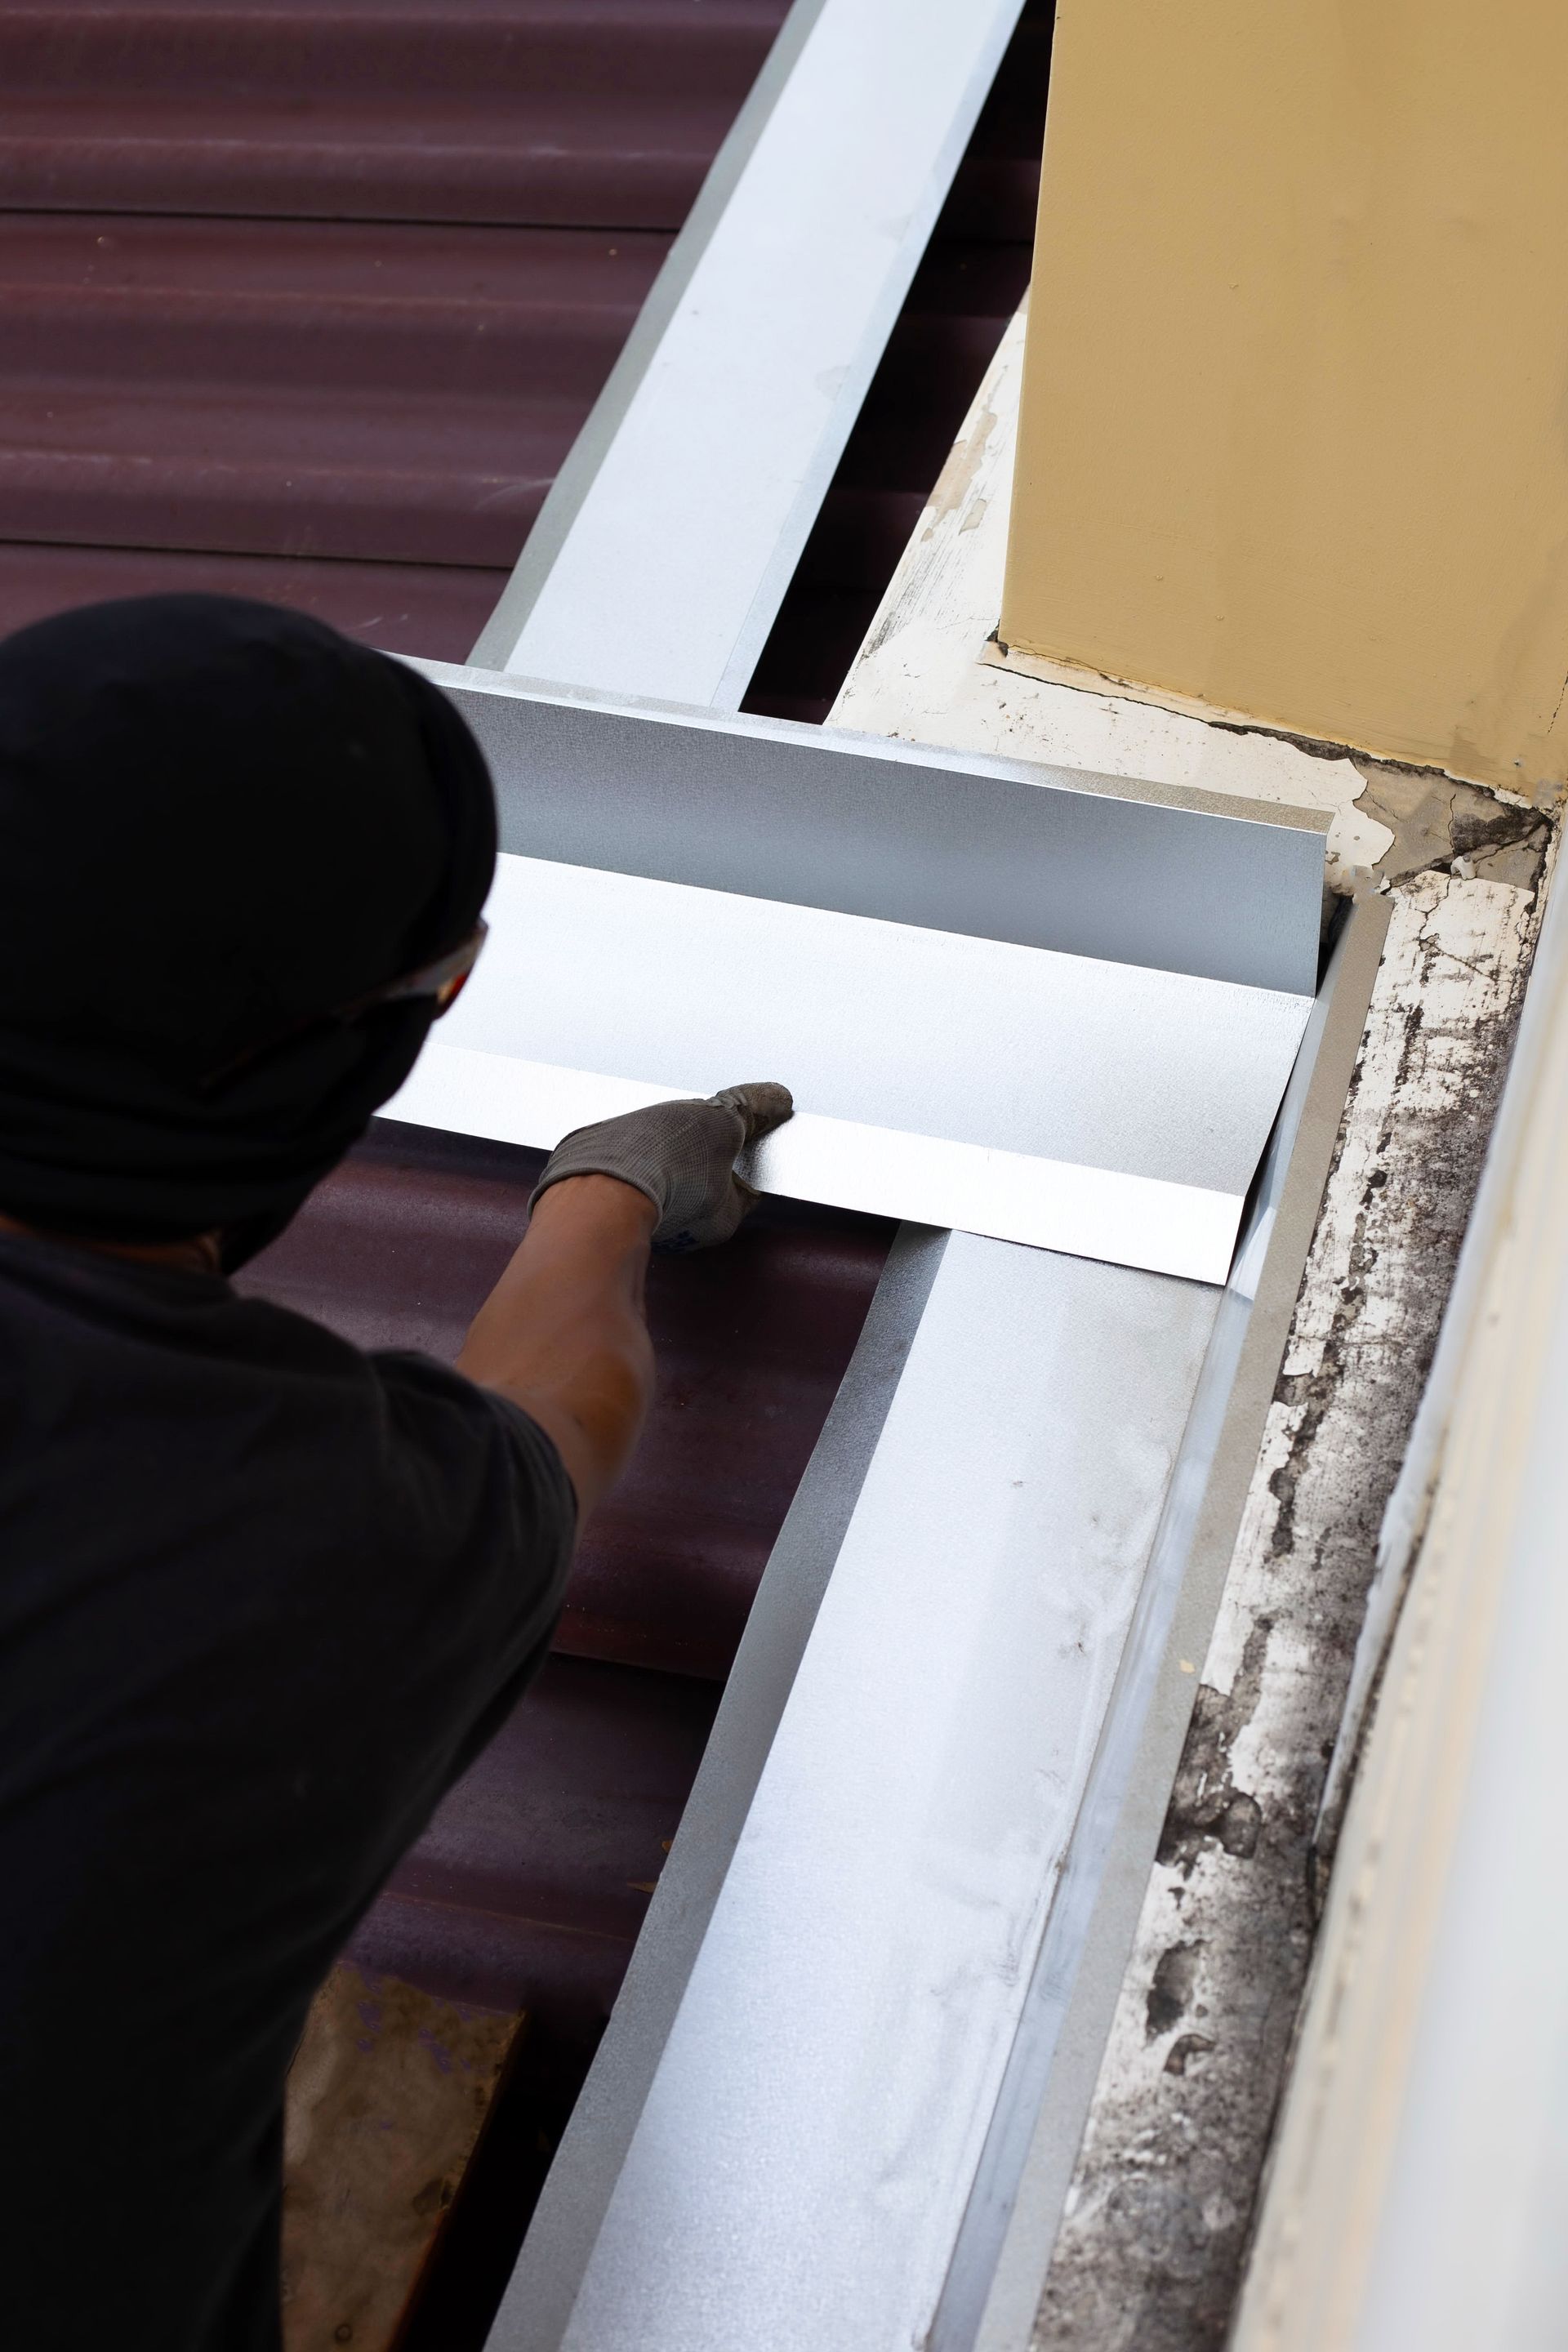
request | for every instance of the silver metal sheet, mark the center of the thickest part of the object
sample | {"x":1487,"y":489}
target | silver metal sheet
{"x":1096,"y":1108}
{"x":1010,"y":999}
{"x":676,"y":525}
{"x":800,"y":2166}
{"x":581,"y":2177}
{"x":994,"y":2285}
{"x":1176,"y":880}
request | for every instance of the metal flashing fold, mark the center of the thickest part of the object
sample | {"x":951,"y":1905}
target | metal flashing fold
{"x":1010,"y":999}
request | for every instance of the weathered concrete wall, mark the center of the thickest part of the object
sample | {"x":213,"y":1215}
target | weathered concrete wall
{"x":1161,"y":2204}
{"x":1415,"y":2187}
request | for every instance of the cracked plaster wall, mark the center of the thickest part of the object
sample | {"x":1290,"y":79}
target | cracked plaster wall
{"x":1161,"y":2203}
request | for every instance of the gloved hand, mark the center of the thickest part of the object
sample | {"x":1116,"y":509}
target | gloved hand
{"x":682,"y":1155}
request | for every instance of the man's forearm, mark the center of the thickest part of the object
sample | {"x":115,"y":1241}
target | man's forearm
{"x":563,"y":1334}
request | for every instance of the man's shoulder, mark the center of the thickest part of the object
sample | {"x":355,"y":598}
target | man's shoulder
{"x":432,"y":1401}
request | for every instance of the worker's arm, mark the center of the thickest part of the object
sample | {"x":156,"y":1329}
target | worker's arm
{"x":562,"y":1334}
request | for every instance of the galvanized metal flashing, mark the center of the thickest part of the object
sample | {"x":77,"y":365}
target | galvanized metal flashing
{"x":1160,"y":876}
{"x":675,"y":528}
{"x":801,"y":2165}
{"x":1018,"y":1002}
{"x":570,"y":2210}
{"x":992,"y":2288}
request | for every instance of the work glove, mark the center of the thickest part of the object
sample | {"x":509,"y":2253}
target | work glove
{"x":682,"y":1156}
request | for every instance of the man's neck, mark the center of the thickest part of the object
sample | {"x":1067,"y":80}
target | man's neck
{"x":200,"y":1255}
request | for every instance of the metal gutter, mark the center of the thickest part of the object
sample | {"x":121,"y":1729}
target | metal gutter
{"x":832,"y":2070}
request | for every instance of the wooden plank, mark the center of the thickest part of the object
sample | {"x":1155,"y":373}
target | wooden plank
{"x":387,"y":2098}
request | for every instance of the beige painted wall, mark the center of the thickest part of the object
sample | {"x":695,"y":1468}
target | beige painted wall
{"x":1295,"y":429}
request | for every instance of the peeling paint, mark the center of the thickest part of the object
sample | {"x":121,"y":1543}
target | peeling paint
{"x":1158,"y":2218}
{"x":1432,"y":821}
{"x":1171,"y":1988}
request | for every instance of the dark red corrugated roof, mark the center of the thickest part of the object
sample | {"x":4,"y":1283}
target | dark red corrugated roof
{"x":375,"y":393}
{"x":535,"y":113}
{"x":309,"y":302}
{"x":412,"y":236}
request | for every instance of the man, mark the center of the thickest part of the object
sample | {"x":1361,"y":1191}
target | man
{"x":262,"y":1598}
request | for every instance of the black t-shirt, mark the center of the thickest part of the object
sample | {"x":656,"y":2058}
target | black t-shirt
{"x":262,"y":1599}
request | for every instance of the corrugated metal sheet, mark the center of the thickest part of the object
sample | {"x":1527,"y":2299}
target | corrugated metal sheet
{"x":414,"y":236}
{"x":573,"y":113}
{"x":372,"y":395}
